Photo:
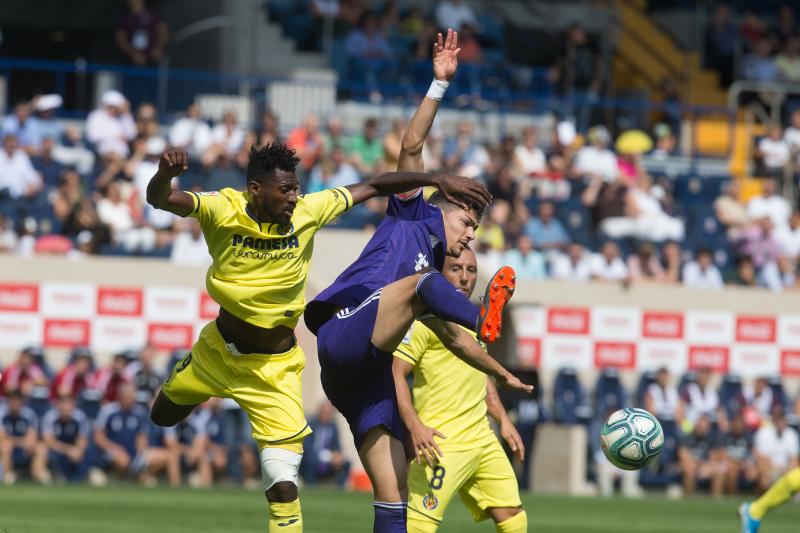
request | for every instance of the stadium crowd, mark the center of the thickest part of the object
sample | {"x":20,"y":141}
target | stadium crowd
{"x":565,"y":207}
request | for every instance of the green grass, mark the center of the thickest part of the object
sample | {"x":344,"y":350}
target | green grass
{"x":122,"y":509}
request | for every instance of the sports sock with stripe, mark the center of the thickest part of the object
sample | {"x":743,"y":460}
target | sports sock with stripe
{"x":445,"y":301}
{"x":390,"y":517}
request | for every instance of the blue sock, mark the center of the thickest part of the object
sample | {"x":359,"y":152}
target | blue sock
{"x":389,"y":517}
{"x":445,"y":301}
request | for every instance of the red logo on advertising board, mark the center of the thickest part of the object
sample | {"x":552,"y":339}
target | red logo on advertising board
{"x":615,"y":354}
{"x":755,"y":329}
{"x":170,"y":336}
{"x":66,"y":332}
{"x":713,"y":357}
{"x":790,"y":363}
{"x":208,"y":307}
{"x":662,"y":325}
{"x":119,"y":302}
{"x":20,"y":298}
{"x":529,"y":352}
{"x":573,"y":320}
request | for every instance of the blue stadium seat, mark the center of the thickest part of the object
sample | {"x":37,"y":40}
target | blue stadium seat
{"x":570,"y":405}
{"x":39,"y":400}
{"x":730,"y":394}
{"x":686,"y":379}
{"x":647,"y":377}
{"x":665,"y":471}
{"x":609,"y":394}
{"x":778,"y":392}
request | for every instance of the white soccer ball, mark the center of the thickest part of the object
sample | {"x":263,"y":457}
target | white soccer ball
{"x":631,"y":438}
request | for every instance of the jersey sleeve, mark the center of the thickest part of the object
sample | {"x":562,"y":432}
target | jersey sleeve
{"x":209,"y":206}
{"x":414,"y":344}
{"x":325,"y":206}
{"x":407,"y":207}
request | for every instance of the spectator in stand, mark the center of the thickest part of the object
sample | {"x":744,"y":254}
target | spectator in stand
{"x":788,"y":61}
{"x":786,"y":25}
{"x":671,"y":261}
{"x":121,"y":436}
{"x":8,"y":237}
{"x":454,"y":13}
{"x":503,"y":186}
{"x":701,"y":459}
{"x":528,"y":262}
{"x":575,"y":265}
{"x":189,"y":247}
{"x":776,"y":449}
{"x":227,"y":138}
{"x":108,"y":380}
{"x":702,"y":273}
{"x":117,"y":214}
{"x":18,"y":178}
{"x":393,"y":142}
{"x":191,"y":133}
{"x":759,"y":65}
{"x":307,"y":142}
{"x":770,"y":204}
{"x":730,"y":210}
{"x":144,"y":375}
{"x":721,"y":37}
{"x":324,"y":459}
{"x":368,"y":41}
{"x":547,"y":231}
{"x":752,"y":29}
{"x":463,"y":154}
{"x":596,"y":161}
{"x":644,"y":266}
{"x":759,"y":397}
{"x":528,"y":158}
{"x":333,"y":172}
{"x":66,"y":142}
{"x":758,"y":242}
{"x":779,"y":275}
{"x":745,"y":275}
{"x":23,"y":374}
{"x":76,"y":377}
{"x":269,"y":130}
{"x":19,"y":444}
{"x":142,"y":35}
{"x":662,"y":398}
{"x":605,"y":199}
{"x":193,"y":449}
{"x":365,"y":150}
{"x":140,"y":168}
{"x":773,"y":152}
{"x":608,"y":265}
{"x":579,"y":66}
{"x":47,"y":166}
{"x":163,"y":454}
{"x":644,"y":217}
{"x":334,"y":135}
{"x":737,"y":446}
{"x":471,"y":50}
{"x":701,"y":399}
{"x":21,"y":125}
{"x":490,"y":233}
{"x":788,"y":237}
{"x":792,"y":136}
{"x":65,"y":434}
{"x":111,"y":127}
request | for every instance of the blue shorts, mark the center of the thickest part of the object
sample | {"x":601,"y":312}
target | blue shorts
{"x":357,"y":376}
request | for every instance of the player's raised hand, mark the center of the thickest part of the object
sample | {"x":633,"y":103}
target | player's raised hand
{"x":445,"y":55}
{"x":173,"y":163}
{"x":453,"y":187}
{"x":425,"y":447}
{"x":512,"y":438}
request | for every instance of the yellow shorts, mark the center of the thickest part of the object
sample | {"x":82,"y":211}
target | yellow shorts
{"x":267,"y":386}
{"x":483,"y":477}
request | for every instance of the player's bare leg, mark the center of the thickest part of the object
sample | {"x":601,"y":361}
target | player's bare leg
{"x":384,"y":460}
{"x":166,"y":413}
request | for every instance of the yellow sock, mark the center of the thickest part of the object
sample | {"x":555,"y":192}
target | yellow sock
{"x":516,"y":524}
{"x":778,"y":494}
{"x":285,"y":517}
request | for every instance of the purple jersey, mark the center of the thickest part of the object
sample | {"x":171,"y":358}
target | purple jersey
{"x":410,"y":238}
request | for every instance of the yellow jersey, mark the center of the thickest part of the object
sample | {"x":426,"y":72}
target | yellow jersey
{"x":259,"y":270}
{"x":449,"y":395}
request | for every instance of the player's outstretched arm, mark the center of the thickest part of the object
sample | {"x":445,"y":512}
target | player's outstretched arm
{"x":159,"y":191}
{"x":452,"y":187}
{"x":445,"y":64}
{"x":465,"y":347}
{"x":422,"y":436}
{"x":507,"y":430}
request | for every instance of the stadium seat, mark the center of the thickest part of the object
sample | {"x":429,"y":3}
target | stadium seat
{"x":686,"y":379}
{"x":730,"y":394}
{"x":570,"y":405}
{"x":665,"y":471}
{"x":647,"y":377}
{"x":39,"y":400}
{"x":609,"y":394}
{"x":778,"y":392}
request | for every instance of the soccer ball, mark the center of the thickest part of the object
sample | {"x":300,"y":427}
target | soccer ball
{"x":631,"y":438}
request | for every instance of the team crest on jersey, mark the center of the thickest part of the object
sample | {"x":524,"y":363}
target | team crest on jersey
{"x":285,"y":229}
{"x":430,"y":502}
{"x":421,"y":262}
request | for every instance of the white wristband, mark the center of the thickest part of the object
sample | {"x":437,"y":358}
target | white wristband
{"x":437,"y":89}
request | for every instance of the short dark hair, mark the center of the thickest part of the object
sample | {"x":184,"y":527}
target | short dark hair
{"x":438,"y":199}
{"x":269,"y":158}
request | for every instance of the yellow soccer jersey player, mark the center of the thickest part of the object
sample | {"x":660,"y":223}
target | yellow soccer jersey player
{"x":450,"y":401}
{"x":261,"y":242}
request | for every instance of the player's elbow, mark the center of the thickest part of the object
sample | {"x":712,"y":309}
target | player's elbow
{"x":412,"y":144}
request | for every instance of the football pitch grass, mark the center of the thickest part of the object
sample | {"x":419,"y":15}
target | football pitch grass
{"x":122,"y":509}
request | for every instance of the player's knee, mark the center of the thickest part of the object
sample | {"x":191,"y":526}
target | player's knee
{"x":279,"y":472}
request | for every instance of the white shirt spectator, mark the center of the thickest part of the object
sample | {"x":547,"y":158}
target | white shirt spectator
{"x":190,"y":134}
{"x":780,"y":449}
{"x":564,"y":269}
{"x":775,"y":207}
{"x":772,"y":278}
{"x":614,"y":271}
{"x":789,"y":240}
{"x":452,"y":14}
{"x":191,"y":251}
{"x":117,"y":215}
{"x":665,"y":401}
{"x":17,"y":174}
{"x":598,"y":161}
{"x":110,"y":134}
{"x":700,"y":402}
{"x":232,"y":139}
{"x":530,"y":161}
{"x":142,"y":174}
{"x":775,"y":153}
{"x":792,"y":137}
{"x":696,"y":277}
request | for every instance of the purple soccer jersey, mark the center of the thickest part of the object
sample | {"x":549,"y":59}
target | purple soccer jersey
{"x":410,"y":238}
